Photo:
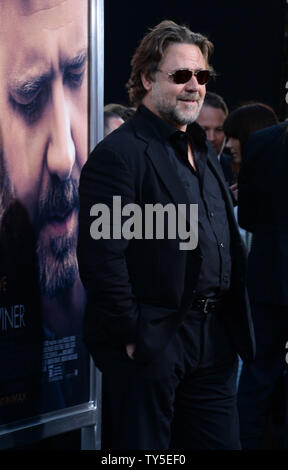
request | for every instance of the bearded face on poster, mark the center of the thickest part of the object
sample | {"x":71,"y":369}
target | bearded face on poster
{"x":43,"y":121}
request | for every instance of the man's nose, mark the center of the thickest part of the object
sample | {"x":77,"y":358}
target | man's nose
{"x":210,"y":135}
{"x":61,"y":148}
{"x":193,"y":84}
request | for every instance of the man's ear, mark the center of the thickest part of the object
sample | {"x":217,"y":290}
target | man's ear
{"x":146,"y":82}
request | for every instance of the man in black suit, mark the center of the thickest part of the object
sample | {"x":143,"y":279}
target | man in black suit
{"x":166,"y":314}
{"x":211,"y":117}
{"x":263,"y":210}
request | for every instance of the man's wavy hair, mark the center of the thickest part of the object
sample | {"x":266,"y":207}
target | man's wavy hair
{"x":151,"y":50}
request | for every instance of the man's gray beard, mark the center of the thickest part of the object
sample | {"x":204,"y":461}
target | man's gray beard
{"x":172,"y":114}
{"x":54,"y":282}
{"x":57,"y":276}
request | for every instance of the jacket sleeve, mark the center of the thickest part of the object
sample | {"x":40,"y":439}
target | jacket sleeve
{"x":248,"y":193}
{"x":112,"y":309}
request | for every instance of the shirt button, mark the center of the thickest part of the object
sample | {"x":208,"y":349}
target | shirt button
{"x":211,"y":214}
{"x":221,"y":245}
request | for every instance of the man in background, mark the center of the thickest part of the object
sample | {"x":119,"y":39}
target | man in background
{"x":212,"y":116}
{"x":263,"y":211}
{"x":111,"y":122}
{"x":125,"y":112}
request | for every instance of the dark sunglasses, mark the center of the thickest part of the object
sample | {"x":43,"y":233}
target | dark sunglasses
{"x":182,"y":76}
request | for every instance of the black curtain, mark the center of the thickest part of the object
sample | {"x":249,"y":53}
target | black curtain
{"x":249,"y":39}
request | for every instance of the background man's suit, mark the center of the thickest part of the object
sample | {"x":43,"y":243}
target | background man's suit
{"x":140,"y":290}
{"x":226,"y":164}
{"x":263,"y":210}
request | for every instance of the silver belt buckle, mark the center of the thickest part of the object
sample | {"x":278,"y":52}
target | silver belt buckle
{"x":206,"y":302}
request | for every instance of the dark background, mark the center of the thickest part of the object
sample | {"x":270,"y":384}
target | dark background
{"x":249,"y":38}
{"x":250,"y":56}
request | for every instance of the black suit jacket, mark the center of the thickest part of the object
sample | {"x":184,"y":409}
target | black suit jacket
{"x":139,"y":290}
{"x":226,"y":164}
{"x":263,"y":210}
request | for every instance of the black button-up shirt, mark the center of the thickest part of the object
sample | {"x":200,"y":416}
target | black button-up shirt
{"x":202,"y":188}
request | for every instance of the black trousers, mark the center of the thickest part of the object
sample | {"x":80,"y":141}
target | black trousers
{"x":184,"y":399}
{"x":262,"y":390}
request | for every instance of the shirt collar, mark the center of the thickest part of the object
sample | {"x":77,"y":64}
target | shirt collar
{"x":165,"y":130}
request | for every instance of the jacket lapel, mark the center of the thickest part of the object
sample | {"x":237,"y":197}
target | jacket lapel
{"x":157,"y":153}
{"x":162,"y":164}
{"x":237,"y":245}
{"x":216,"y":169}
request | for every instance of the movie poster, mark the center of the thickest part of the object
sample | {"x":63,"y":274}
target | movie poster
{"x":44,"y":365}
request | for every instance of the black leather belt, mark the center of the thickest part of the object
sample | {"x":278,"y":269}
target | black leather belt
{"x":207,"y":305}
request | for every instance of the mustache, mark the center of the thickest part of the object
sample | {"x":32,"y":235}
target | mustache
{"x":189,"y":96}
{"x":59,"y":201}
